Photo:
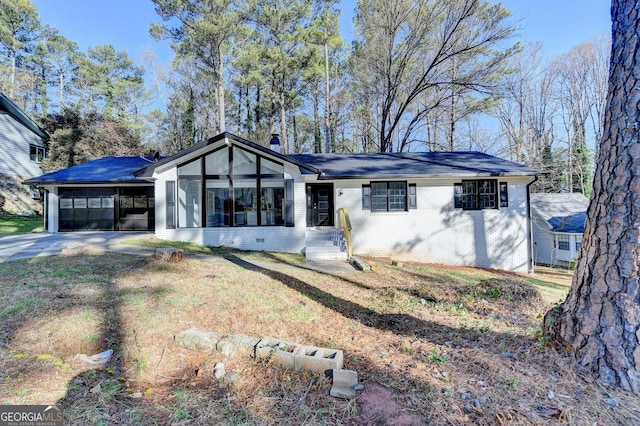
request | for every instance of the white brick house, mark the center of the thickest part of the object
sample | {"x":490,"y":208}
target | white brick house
{"x":456,"y":208}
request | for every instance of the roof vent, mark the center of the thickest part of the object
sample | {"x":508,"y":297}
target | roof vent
{"x":275,"y":142}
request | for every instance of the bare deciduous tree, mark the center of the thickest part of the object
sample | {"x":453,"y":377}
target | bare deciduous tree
{"x":406,"y":49}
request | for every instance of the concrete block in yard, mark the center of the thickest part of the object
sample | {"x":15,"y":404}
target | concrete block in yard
{"x":344,"y":384}
{"x":237,"y":344}
{"x":197,"y":339}
{"x":317,"y":360}
{"x":284,"y":356}
{"x":267,"y":345}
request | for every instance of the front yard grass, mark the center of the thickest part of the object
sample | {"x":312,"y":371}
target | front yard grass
{"x":20,"y":225}
{"x":439,"y":345}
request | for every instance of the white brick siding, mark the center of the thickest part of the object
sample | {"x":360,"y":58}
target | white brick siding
{"x":436,"y":232}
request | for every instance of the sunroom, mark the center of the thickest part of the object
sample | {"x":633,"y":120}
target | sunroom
{"x":229,"y":187}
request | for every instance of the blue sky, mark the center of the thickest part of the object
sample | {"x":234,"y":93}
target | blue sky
{"x":559,"y":24}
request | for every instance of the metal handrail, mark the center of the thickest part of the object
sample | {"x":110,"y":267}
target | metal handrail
{"x":345,"y":225}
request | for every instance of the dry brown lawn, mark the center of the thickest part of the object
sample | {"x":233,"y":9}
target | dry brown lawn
{"x":431,"y":344}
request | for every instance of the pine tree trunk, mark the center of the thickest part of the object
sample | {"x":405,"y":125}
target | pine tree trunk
{"x":221,"y":105}
{"x":600,"y":320}
{"x":327,"y":94}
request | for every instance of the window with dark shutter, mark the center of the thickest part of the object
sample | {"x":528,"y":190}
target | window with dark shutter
{"x":366,"y":197}
{"x":385,"y":196}
{"x":288,"y":200}
{"x":413,"y":196}
{"x":476,"y":194}
{"x":170,"y":196}
{"x":504,"y":195}
{"x":457,"y":195}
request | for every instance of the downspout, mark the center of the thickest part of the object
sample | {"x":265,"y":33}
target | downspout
{"x":529,"y":227}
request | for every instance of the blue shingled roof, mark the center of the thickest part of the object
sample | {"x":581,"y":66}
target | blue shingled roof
{"x":572,"y":224}
{"x":417,"y":164}
{"x":104,"y":170}
{"x":327,"y":166}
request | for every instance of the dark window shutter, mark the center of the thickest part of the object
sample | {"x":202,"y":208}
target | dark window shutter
{"x":413,"y":198}
{"x":366,"y":197}
{"x":170,"y":200}
{"x":504,"y":195}
{"x":288,"y":199}
{"x":457,"y":195}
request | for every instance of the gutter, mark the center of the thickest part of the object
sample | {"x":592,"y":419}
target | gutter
{"x":529,"y":228}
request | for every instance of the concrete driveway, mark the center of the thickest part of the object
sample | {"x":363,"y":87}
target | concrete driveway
{"x":44,"y":244}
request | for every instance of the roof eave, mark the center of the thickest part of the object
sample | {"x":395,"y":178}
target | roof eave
{"x":323,"y":176}
{"x":23,"y":118}
{"x":81,"y":182}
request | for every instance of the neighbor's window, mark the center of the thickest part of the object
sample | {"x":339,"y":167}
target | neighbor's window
{"x":36,"y":153}
{"x":476,"y":194}
{"x":386,"y":196}
{"x":563,"y":242}
{"x":578,"y":243}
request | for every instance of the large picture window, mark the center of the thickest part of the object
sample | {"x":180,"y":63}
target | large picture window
{"x":189,"y":203}
{"x":476,"y":194}
{"x":241,"y":188}
{"x":272,"y":202}
{"x":218,"y":203}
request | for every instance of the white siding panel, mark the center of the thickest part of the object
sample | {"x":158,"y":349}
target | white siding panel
{"x":14,"y":148}
{"x":543,"y":251}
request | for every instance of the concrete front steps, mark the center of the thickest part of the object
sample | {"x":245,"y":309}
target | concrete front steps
{"x":325,"y":244}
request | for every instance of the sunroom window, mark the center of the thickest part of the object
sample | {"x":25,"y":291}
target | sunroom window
{"x":241,"y":188}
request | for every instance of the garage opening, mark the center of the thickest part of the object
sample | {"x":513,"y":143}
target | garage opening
{"x":106,"y":209}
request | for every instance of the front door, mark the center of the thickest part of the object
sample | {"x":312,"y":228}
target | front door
{"x":320,"y":204}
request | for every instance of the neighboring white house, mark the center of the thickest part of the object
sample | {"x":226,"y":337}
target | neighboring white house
{"x":558,"y":225}
{"x":456,"y":208}
{"x":23,"y":146}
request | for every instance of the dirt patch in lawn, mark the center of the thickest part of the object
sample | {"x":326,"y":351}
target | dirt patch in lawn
{"x":431,"y":345}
